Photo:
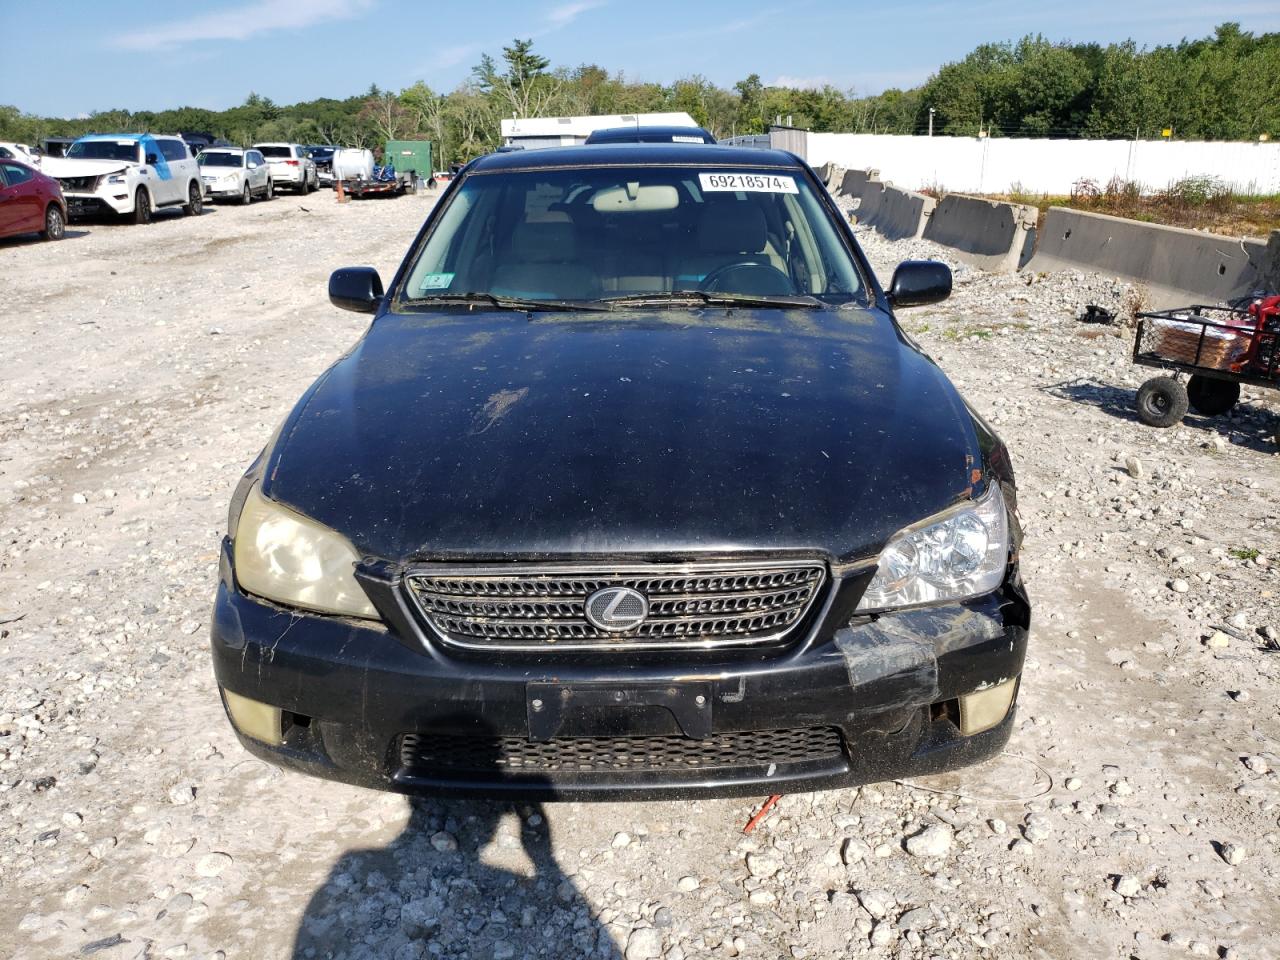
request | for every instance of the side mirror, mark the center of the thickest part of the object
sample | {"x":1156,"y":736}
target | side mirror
{"x":358,"y":289}
{"x":917,"y":283}
{"x":152,"y":159}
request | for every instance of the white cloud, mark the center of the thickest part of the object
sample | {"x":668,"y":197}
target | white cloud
{"x":242,"y":22}
{"x":801,"y":83}
{"x":557,"y":18}
{"x":565,"y":14}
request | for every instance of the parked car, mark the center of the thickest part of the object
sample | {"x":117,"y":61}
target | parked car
{"x":650,"y":135}
{"x":30,"y":202}
{"x":235,"y":174}
{"x":322,"y":157}
{"x":290,"y":166}
{"x":198,"y":142}
{"x":633,"y":487}
{"x":56,"y":146}
{"x":129,"y":174}
{"x":352,"y":163}
{"x":20,"y":152}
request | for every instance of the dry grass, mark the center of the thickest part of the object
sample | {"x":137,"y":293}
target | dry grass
{"x":1199,"y":203}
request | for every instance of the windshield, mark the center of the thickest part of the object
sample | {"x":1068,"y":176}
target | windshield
{"x":215,"y":159}
{"x":276,"y":151}
{"x":126,"y":150}
{"x":612,"y":232}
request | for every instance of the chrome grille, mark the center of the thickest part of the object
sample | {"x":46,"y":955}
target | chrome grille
{"x":540,"y":606}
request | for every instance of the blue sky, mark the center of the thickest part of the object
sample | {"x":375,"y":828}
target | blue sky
{"x":152,"y":54}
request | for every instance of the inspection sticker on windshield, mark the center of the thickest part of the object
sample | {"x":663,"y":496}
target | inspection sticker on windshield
{"x":436,"y":281}
{"x":747,"y":182}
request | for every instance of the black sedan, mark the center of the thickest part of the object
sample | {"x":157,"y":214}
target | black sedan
{"x":634,"y":487}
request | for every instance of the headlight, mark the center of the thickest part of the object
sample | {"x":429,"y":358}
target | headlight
{"x":959,"y":554}
{"x":289,"y":558}
{"x":116,"y":178}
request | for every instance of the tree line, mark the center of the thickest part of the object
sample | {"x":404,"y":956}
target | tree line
{"x":1222,"y":87}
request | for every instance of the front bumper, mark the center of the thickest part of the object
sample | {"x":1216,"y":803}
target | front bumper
{"x":96,"y":204}
{"x":217,"y":190}
{"x":884,"y":689}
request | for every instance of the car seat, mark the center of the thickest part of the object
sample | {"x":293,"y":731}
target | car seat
{"x":542,"y":263}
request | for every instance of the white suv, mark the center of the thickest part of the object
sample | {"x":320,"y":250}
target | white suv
{"x":290,"y":166}
{"x":230,"y":173}
{"x":131,"y":174}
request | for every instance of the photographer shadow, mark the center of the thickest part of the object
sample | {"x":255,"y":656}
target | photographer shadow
{"x":465,"y":878}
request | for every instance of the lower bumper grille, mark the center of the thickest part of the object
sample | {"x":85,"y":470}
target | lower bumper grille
{"x":502,"y":756}
{"x":684,"y":605}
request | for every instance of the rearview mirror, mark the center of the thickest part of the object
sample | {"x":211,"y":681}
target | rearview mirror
{"x":358,"y":289}
{"x":635,"y":198}
{"x":917,"y":283}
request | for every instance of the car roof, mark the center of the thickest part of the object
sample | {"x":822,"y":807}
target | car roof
{"x":652,"y":131}
{"x":128,"y":136}
{"x":276,"y":143}
{"x":638,"y":154}
{"x":224,"y":150}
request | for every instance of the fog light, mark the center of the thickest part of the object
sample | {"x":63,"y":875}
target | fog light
{"x":984,"y":709}
{"x":258,"y":720}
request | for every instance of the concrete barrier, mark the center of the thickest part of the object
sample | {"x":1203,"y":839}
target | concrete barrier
{"x":834,"y":177}
{"x":989,"y":234}
{"x":823,"y":172}
{"x":854,"y":182}
{"x":901,"y":214}
{"x":870,"y":199}
{"x":1176,"y":265}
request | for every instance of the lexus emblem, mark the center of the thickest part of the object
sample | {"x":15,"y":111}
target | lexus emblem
{"x":616,"y":609}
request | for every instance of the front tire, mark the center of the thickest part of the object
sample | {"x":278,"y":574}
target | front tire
{"x":55,"y":224}
{"x":195,"y":201}
{"x":246,"y":195}
{"x":1211,"y":397}
{"x":142,"y":206}
{"x":1162,"y":402}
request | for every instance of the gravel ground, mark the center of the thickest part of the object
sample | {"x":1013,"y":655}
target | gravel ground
{"x":1135,"y":813}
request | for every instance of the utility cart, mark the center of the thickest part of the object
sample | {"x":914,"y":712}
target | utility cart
{"x":1217,"y":348}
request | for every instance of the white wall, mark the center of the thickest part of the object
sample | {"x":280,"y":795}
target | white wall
{"x":995,"y":165}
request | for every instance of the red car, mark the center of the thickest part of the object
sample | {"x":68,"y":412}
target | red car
{"x":30,"y":202}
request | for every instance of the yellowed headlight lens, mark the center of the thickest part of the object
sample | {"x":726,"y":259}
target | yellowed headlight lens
{"x":283,"y":556}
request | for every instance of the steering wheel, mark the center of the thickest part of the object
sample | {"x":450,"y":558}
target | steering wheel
{"x":748,"y":276}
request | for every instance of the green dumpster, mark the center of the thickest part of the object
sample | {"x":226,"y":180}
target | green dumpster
{"x":409,"y":156}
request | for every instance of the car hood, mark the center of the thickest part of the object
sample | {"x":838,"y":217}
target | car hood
{"x":676,"y":432}
{"x":77,"y":167}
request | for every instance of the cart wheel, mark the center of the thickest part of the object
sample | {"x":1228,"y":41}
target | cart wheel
{"x":1162,"y":402}
{"x":1212,"y":397}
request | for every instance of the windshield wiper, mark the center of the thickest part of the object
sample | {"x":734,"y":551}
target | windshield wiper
{"x":502,"y":303}
{"x":701,"y":297}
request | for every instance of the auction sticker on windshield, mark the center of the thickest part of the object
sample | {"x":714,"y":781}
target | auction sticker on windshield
{"x":747,"y":182}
